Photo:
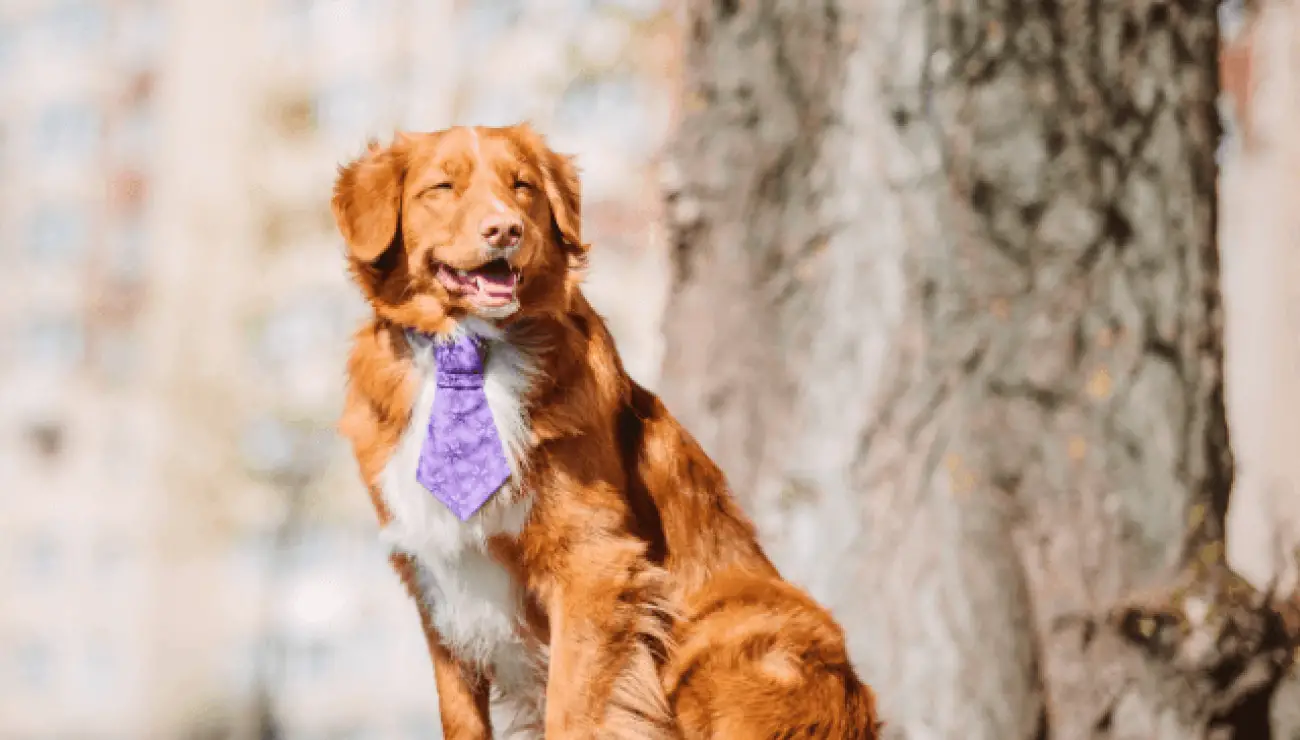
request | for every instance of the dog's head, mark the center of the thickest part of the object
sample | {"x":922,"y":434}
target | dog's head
{"x":464,"y":222}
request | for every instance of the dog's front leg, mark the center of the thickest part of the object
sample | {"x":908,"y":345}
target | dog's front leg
{"x":463,"y":693}
{"x":604,"y":629}
{"x":462,"y":696}
{"x":607,"y":629}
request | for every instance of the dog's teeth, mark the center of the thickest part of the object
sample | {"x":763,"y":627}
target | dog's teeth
{"x":478,"y":282}
{"x":462,"y":273}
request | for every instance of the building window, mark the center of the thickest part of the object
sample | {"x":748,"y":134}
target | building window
{"x":57,"y":233}
{"x":6,"y":44}
{"x":290,"y":29}
{"x":312,"y":549}
{"x":111,"y":556}
{"x":268,"y":446}
{"x":242,"y":663}
{"x":422,"y":726}
{"x":488,"y":21}
{"x":613,"y":104}
{"x":139,"y":89}
{"x":124,"y":453}
{"x":102,"y":669}
{"x":34,"y":665}
{"x":116,"y":353}
{"x":302,"y":329}
{"x":318,"y":659}
{"x":133,"y":138}
{"x":128,"y":245}
{"x":373,"y":10}
{"x":55,"y":344}
{"x":129,"y":190}
{"x":293,"y":115}
{"x":70,"y":130}
{"x":40,"y":558}
{"x":76,"y":23}
{"x":252,"y":554}
{"x":496,"y":109}
{"x":347,"y":109}
{"x":639,"y":9}
{"x":1232,"y":14}
{"x":141,"y":33}
{"x":47,"y":439}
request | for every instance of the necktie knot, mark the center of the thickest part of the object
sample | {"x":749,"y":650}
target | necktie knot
{"x":460,"y":363}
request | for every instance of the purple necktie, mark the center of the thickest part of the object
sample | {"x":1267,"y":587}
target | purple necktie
{"x":462,"y":462}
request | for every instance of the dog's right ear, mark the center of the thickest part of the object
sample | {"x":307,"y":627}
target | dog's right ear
{"x":367,"y":202}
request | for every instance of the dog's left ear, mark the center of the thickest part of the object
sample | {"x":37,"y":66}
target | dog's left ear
{"x":564,"y":194}
{"x":563,"y":191}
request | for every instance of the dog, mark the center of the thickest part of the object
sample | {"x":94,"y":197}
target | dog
{"x":576,"y":556}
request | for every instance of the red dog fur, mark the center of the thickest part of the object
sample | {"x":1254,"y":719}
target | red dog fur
{"x":615,"y":562}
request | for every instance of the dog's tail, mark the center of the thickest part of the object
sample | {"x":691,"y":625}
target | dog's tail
{"x":760,"y":660}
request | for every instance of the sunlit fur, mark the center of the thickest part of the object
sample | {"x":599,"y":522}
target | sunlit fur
{"x":642,"y":604}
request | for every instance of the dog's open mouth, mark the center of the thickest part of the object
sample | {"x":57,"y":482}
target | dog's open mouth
{"x":490,"y":285}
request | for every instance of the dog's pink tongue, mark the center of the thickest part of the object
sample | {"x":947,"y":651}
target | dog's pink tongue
{"x":495,"y":280}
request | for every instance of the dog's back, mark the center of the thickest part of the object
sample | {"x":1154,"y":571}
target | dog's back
{"x":758,"y":659}
{"x":755,"y":657}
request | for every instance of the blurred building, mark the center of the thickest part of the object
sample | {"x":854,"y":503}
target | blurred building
{"x":1260,"y":244}
{"x":185,"y":550}
{"x":78,"y":425}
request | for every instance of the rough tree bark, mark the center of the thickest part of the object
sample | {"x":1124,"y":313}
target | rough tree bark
{"x":946,"y":309}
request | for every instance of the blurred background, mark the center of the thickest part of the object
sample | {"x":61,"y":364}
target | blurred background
{"x":184,"y":544}
{"x":185,"y":549}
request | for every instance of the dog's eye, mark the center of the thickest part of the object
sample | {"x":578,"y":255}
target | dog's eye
{"x":523,"y":186}
{"x":440,"y":187}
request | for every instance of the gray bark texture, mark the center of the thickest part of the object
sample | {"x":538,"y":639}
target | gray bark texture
{"x":945,"y":307}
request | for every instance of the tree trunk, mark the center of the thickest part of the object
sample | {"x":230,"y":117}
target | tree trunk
{"x":946,"y":309}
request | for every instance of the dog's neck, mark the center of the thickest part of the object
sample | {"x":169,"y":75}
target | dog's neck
{"x":543,"y":338}
{"x":466,"y":326}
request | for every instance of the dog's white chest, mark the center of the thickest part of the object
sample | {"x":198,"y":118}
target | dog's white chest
{"x":475,"y":604}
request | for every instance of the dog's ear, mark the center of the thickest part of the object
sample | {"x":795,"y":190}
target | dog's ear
{"x":564,"y":194}
{"x":562,"y":189}
{"x":367,"y":202}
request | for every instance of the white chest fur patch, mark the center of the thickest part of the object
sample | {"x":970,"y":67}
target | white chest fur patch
{"x":475,"y":603}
